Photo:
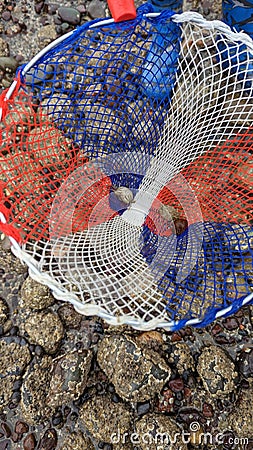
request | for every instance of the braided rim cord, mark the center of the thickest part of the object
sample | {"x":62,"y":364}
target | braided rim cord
{"x":14,"y":235}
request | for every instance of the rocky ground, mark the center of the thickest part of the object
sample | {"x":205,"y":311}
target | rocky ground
{"x":72,"y":382}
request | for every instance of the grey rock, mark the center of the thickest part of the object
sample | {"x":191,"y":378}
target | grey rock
{"x":96,"y":9}
{"x":217,"y":371}
{"x":102,"y":418}
{"x":69,"y":377}
{"x":35,"y":295}
{"x":45,"y":329}
{"x":69,"y":15}
{"x":35,"y":390}
{"x":8,"y":62}
{"x":137,"y":373}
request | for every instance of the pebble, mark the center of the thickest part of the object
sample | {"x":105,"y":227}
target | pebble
{"x":217,"y":371}
{"x":143,"y":408}
{"x":8,"y":62}
{"x":245,"y":362}
{"x":96,"y":9}
{"x":102,"y":418}
{"x":35,"y":295}
{"x":148,"y":374}
{"x":29,"y":442}
{"x":69,"y":377}
{"x":158,"y":431}
{"x":208,"y":410}
{"x":69,"y":15}
{"x":21,"y":427}
{"x":49,"y":440}
{"x":46,"y":329}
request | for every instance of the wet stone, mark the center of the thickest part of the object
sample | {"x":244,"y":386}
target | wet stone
{"x":21,"y":427}
{"x":95,"y":9}
{"x":49,"y":440}
{"x":35,"y":295}
{"x":34,"y":390}
{"x":45,"y":329}
{"x":69,"y":15}
{"x":102,"y":418}
{"x":245,"y":362}
{"x":158,"y":431}
{"x":4,"y":311}
{"x":29,"y":442}
{"x":241,"y":418}
{"x":136,"y":373}
{"x":8,"y":62}
{"x":69,"y":377}
{"x":217,"y":371}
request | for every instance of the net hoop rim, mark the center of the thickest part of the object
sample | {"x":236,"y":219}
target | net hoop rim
{"x":188,"y":16}
{"x":35,"y":273}
{"x":96,"y":310}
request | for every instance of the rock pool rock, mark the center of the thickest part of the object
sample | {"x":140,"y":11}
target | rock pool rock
{"x":69,"y":377}
{"x":155,"y":431}
{"x":6,"y":389}
{"x":69,"y":15}
{"x":34,"y":390}
{"x":35,"y":295}
{"x":217,"y":371}
{"x":45,"y":329}
{"x":137,"y":373}
{"x":103,"y":418}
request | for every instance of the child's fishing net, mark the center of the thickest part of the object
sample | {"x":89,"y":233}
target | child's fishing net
{"x":126,"y":169}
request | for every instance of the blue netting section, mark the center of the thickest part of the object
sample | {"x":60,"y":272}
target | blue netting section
{"x":202,"y":277}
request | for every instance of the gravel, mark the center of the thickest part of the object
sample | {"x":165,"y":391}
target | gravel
{"x":68,"y":382}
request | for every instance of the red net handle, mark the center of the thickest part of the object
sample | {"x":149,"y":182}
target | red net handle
{"x":122,"y":10}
